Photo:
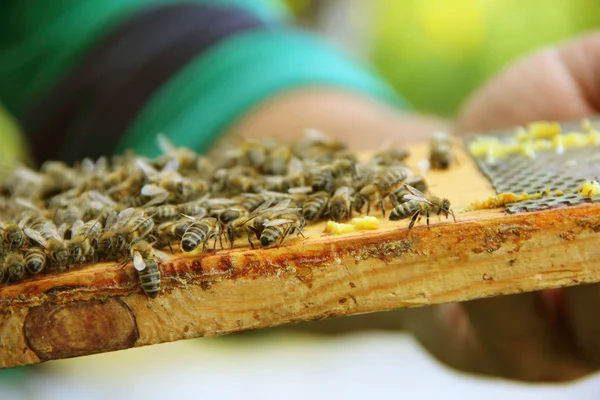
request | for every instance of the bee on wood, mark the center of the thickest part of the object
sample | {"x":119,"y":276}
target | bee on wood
{"x":254,"y":223}
{"x":340,"y":204}
{"x":121,"y":229}
{"x":51,"y":239}
{"x":440,"y":151}
{"x":83,"y":236}
{"x":418,"y":204}
{"x":144,"y":261}
{"x":275,"y":231}
{"x":14,"y":267}
{"x":315,"y":205}
{"x":35,"y":260}
{"x":13,"y":235}
{"x":173,"y":231}
{"x":385,"y":184}
{"x":199,"y":233}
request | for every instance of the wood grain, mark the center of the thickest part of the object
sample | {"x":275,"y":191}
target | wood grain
{"x":486,"y":253}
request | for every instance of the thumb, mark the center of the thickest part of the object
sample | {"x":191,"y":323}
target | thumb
{"x":555,"y":83}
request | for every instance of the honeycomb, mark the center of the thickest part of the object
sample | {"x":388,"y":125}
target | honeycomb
{"x":552,"y":177}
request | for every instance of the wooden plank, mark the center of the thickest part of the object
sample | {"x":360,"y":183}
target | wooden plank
{"x":486,"y":253}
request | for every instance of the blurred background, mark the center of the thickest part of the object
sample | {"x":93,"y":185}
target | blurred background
{"x":435,"y":53}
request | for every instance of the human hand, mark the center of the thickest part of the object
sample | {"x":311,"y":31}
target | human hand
{"x":541,"y":336}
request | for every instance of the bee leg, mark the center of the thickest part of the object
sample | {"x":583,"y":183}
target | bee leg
{"x":249,"y":241}
{"x":170,"y":247}
{"x":427,"y":219}
{"x":394,"y":200}
{"x":413,"y":220}
{"x":382,"y":205}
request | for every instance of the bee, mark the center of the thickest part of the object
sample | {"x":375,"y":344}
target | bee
{"x":254,"y":153}
{"x":144,"y":261}
{"x":165,"y":212}
{"x":382,"y":187}
{"x":321,"y":179}
{"x":51,"y":239}
{"x":35,"y":260}
{"x":120,"y":230}
{"x":315,"y":205}
{"x":199,"y":233}
{"x":277,"y":162}
{"x":418,"y":204}
{"x":340,"y":204}
{"x":168,"y":232}
{"x":12,"y":234}
{"x":68,"y":216}
{"x":275,"y":231}
{"x":83,"y":236}
{"x":250,"y":201}
{"x":440,"y":151}
{"x":195,"y":208}
{"x":14,"y":267}
{"x":391,"y":157}
{"x":186,"y":158}
{"x":254,"y":223}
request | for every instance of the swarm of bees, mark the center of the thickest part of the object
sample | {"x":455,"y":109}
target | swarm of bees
{"x":134,"y":209}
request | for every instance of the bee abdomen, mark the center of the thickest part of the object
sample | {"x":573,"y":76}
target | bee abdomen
{"x":193,"y":236}
{"x":35,"y":261}
{"x":404,"y":210}
{"x":271,"y":234}
{"x":150,"y":279}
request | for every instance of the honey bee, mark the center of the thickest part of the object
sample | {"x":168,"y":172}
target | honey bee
{"x":120,"y":230}
{"x":340,"y":204}
{"x":144,"y":261}
{"x":14,"y":267}
{"x":254,"y":223}
{"x":12,"y":234}
{"x":254,"y":153}
{"x":275,"y":231}
{"x":391,"y":157}
{"x":321,"y":179}
{"x":277,"y":161}
{"x":199,"y":233}
{"x":418,"y":204}
{"x":165,"y":212}
{"x":35,"y":260}
{"x":440,"y":151}
{"x":51,"y":239}
{"x":168,"y":232}
{"x":186,"y":158}
{"x":382,"y":187}
{"x":68,"y":216}
{"x":83,"y":236}
{"x":315,"y":205}
{"x":195,"y":208}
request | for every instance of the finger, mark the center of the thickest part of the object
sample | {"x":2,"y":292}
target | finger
{"x":444,"y":330}
{"x":581,"y":307}
{"x":554,"y":84}
{"x":520,"y":337}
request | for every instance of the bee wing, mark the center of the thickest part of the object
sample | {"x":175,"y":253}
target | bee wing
{"x":125,"y":216}
{"x":164,"y":144}
{"x":35,"y":236}
{"x":148,"y":169}
{"x":153,"y":190}
{"x":276,"y":222}
{"x":170,"y":167}
{"x":300,"y":190}
{"x":77,"y":225}
{"x":138,"y":261}
{"x":97,"y":196}
{"x":61,"y":230}
{"x":416,"y":198}
{"x":87,"y":165}
{"x":415,"y":191}
{"x":161,"y":255}
{"x":111,"y":220}
{"x":27,"y":204}
{"x":1,"y":225}
{"x":159,"y":198}
{"x":295,"y":166}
